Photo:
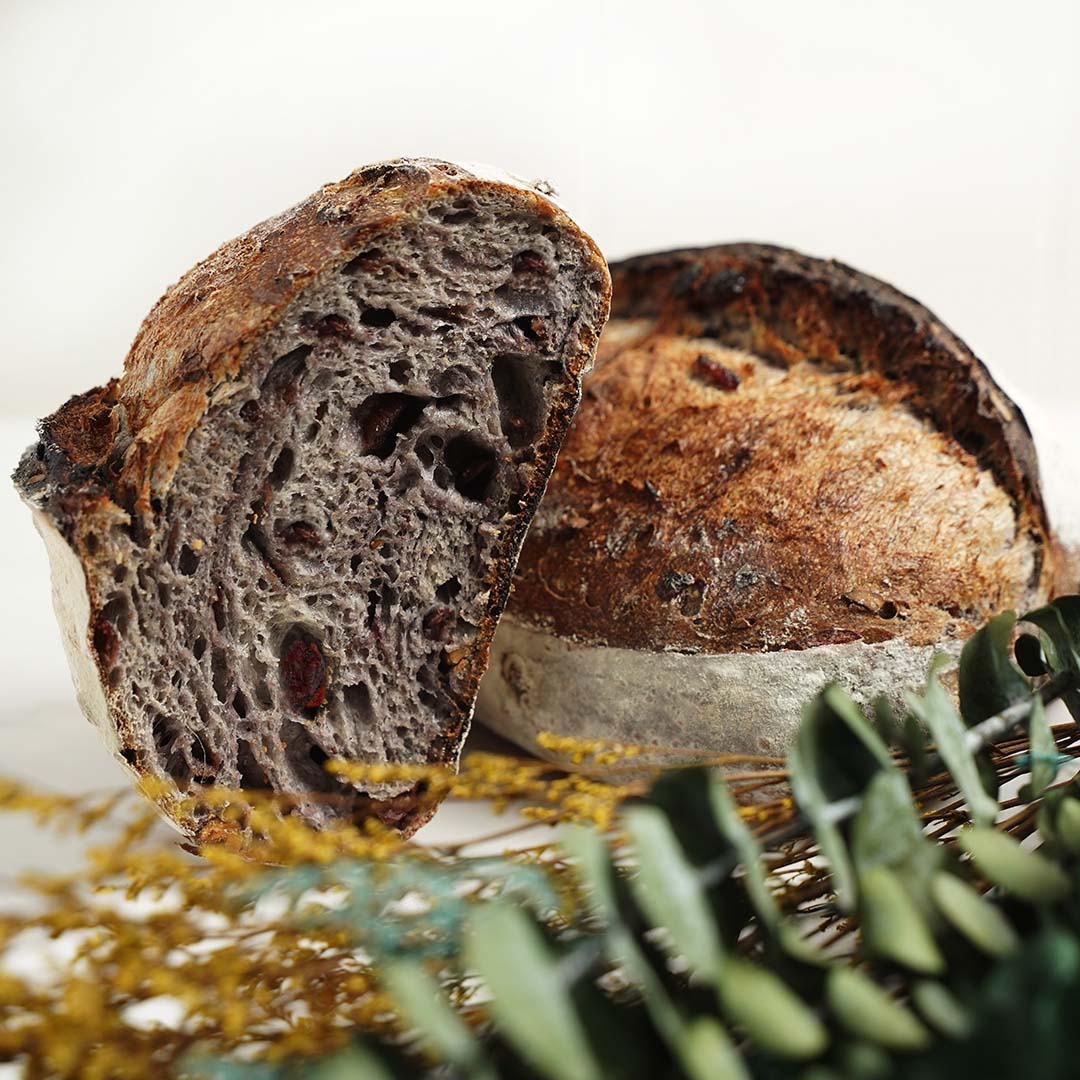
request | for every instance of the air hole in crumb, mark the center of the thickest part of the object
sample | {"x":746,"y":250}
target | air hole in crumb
{"x":358,"y":702}
{"x":400,"y":371}
{"x":90,"y":542}
{"x":263,"y":695}
{"x":356,"y":562}
{"x":888,"y":610}
{"x":378,"y":317}
{"x":520,"y":403}
{"x":306,"y":756}
{"x":130,"y":755}
{"x":286,"y":371}
{"x":239,"y":704}
{"x":164,"y":595}
{"x":220,"y":670}
{"x":472,"y":465}
{"x":163,"y":734}
{"x":384,"y":417}
{"x":448,"y":590}
{"x":252,"y":774}
{"x":119,"y":573}
{"x":188,"y":562}
{"x":530,"y":326}
{"x":199,"y":648}
{"x":459,"y":217}
{"x":428,"y":699}
{"x":117,"y":612}
{"x":424,"y":453}
{"x":198,"y":750}
{"x":283,"y":468}
{"x":365,"y":262}
{"x":217,"y":605}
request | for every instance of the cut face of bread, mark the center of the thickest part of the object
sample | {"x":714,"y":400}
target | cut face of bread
{"x":783,"y":472}
{"x":297,"y":515}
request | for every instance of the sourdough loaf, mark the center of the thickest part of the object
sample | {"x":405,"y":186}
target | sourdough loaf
{"x":288,"y":530}
{"x":783,"y":472}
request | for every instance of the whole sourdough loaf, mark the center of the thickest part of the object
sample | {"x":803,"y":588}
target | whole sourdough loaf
{"x":288,"y":530}
{"x":783,"y":472}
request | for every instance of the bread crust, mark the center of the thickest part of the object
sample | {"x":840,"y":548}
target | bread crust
{"x":679,"y":515}
{"x":109,"y":455}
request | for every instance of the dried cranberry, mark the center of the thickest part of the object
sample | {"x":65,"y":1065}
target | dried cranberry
{"x":106,"y":642}
{"x":715,"y":374}
{"x":385,"y":416}
{"x":438,"y":623}
{"x":301,"y":534}
{"x":303,"y":673}
{"x":327,"y":326}
{"x":529,"y":262}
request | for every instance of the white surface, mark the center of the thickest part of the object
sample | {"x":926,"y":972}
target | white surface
{"x":934,"y":144}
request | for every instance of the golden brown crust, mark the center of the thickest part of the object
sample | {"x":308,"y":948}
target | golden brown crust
{"x":110,"y":453}
{"x":776,"y":452}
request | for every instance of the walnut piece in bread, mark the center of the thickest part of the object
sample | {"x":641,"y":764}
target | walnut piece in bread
{"x":288,"y":530}
{"x":783,"y":472}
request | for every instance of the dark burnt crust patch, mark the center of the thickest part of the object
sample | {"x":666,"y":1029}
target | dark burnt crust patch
{"x":673,"y":517}
{"x":110,"y":453}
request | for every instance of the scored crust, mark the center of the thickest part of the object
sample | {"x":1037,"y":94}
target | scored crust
{"x":785,"y":471}
{"x":776,"y":452}
{"x":107,"y":458}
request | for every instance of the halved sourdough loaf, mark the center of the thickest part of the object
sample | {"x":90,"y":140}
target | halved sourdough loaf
{"x":783,"y":472}
{"x":288,"y":530}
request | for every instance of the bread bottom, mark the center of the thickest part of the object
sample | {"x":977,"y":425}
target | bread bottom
{"x":681,"y":704}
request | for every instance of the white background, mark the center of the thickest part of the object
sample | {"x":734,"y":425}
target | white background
{"x":934,"y":144}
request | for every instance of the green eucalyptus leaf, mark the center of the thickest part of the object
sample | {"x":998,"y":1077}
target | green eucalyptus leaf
{"x":748,"y":850}
{"x":1060,"y":621}
{"x":1024,"y":873}
{"x":938,"y":713}
{"x":349,"y":1064}
{"x":708,"y":1052}
{"x":988,"y":681}
{"x":592,"y":861}
{"x":198,"y":1066}
{"x":979,"y":920}
{"x":893,"y":926}
{"x":770,"y":1012}
{"x":738,"y":835}
{"x":594,"y":871}
{"x":1043,"y":753}
{"x":886,"y":830}
{"x":1060,"y":625}
{"x":670,"y":892}
{"x":530,"y":999}
{"x":867,"y":1011}
{"x":835,"y":754}
{"x":1067,"y":824}
{"x":424,"y":1008}
{"x":941,"y":1010}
